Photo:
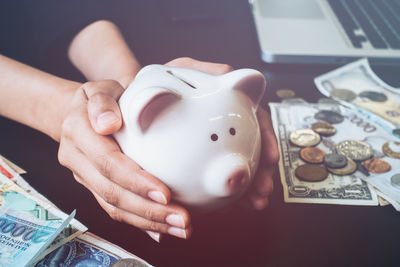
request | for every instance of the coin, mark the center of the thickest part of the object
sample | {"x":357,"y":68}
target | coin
{"x":395,"y":181}
{"x":329,"y":116}
{"x":311,"y":173}
{"x":375,"y":165}
{"x":129,"y":263}
{"x":312,"y":154}
{"x":350,"y":167}
{"x":323,"y":128}
{"x":304,"y":137}
{"x":285,"y":93}
{"x":356,"y":150}
{"x":335,"y":161}
{"x":396,"y":132}
{"x":373,"y":96}
{"x":392,"y":149}
{"x":343,"y":94}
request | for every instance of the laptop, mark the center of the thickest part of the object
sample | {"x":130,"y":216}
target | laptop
{"x":328,"y":31}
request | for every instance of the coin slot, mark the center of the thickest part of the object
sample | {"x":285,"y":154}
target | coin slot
{"x":181,"y":79}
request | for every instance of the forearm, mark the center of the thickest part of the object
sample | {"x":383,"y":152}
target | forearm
{"x":33,"y":97}
{"x":100,"y":52}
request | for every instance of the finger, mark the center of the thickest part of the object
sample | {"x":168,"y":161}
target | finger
{"x":121,"y":198}
{"x":104,"y":114}
{"x":270,"y":151}
{"x":208,"y":67}
{"x":154,"y":235}
{"x":263,"y":181}
{"x":123,"y":216}
{"x":103,"y":109}
{"x":105,"y":155}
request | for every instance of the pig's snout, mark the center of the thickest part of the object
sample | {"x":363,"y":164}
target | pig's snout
{"x":227,"y":176}
{"x":237,"y":181}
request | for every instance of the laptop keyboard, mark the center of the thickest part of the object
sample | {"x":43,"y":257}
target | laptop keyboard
{"x":378,"y":20}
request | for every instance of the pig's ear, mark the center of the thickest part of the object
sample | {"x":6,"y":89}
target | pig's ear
{"x":250,"y":82}
{"x":149,"y":104}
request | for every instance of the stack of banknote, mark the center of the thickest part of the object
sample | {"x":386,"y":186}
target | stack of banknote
{"x":33,"y":231}
{"x":344,"y":149}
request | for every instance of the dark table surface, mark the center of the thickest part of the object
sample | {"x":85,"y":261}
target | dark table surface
{"x":38,"y":33}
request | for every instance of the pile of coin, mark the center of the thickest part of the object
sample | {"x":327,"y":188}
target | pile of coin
{"x":350,"y":155}
{"x":348,"y":95}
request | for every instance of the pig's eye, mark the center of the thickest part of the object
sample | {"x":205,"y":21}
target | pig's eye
{"x":232,"y":131}
{"x":214,"y":137}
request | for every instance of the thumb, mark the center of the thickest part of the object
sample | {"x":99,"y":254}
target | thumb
{"x":104,"y":114}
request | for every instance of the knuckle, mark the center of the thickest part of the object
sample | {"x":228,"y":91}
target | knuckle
{"x":111,"y":195}
{"x":61,"y":155}
{"x":105,"y":165}
{"x":150,"y":214}
{"x":114,"y":213}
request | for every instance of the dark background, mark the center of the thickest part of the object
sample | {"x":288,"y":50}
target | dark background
{"x":38,"y":33}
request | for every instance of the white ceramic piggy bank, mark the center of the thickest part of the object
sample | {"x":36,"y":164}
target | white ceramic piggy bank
{"x":196,"y":132}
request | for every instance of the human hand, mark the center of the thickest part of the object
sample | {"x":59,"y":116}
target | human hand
{"x":122,"y":188}
{"x":262,"y":185}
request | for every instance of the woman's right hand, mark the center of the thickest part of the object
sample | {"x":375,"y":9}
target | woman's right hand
{"x":122,"y":188}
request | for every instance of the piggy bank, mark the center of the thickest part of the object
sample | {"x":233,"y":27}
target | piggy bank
{"x":196,"y":132}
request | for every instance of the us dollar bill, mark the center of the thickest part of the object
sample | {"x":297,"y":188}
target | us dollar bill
{"x":356,"y":86}
{"x":344,"y":190}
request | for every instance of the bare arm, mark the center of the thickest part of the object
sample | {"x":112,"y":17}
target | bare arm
{"x":100,"y":52}
{"x":33,"y":97}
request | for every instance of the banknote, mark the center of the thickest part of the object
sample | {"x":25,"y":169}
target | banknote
{"x":15,"y":197}
{"x":84,"y":250}
{"x":23,"y":237}
{"x":385,"y":187}
{"x":8,"y":169}
{"x":87,"y":250}
{"x":346,"y":190}
{"x":355,"y":85}
{"x":14,"y":166}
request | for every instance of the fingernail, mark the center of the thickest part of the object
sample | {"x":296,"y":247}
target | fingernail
{"x":260,"y":204}
{"x":106,"y":119}
{"x":155,"y":236}
{"x":157,"y":196}
{"x":175,"y":220}
{"x":178,"y":232}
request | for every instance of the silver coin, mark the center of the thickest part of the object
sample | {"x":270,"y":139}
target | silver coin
{"x":329,"y":116}
{"x":395,"y":181}
{"x":356,"y":150}
{"x":304,"y":137}
{"x":343,"y":94}
{"x":129,"y":263}
{"x":335,"y":161}
{"x":373,"y":96}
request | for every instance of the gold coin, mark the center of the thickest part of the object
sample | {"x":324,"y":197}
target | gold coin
{"x":392,"y":149}
{"x":311,"y":173}
{"x":356,"y":150}
{"x":323,"y":128}
{"x":312,"y":154}
{"x":304,"y":137}
{"x":285,"y":93}
{"x":350,"y":167}
{"x":376,"y":165}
